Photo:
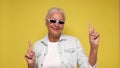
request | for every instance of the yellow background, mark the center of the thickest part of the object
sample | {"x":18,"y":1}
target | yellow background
{"x":23,"y":20}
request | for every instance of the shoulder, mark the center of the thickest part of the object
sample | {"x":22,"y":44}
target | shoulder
{"x":39,"y":45}
{"x":40,"y":42}
{"x":68,"y":37}
{"x":71,"y":39}
{"x":71,"y":42}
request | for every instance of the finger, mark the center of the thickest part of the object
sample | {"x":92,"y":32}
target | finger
{"x":91,"y":30}
{"x":94,"y":33}
{"x":97,"y":35}
{"x":30,"y":44}
{"x":32,"y":52}
{"x":27,"y":55}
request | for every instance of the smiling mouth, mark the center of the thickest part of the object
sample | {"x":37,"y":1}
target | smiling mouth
{"x":55,"y":28}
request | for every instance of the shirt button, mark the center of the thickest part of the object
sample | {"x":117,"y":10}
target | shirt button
{"x":41,"y":64}
{"x":44,"y":54}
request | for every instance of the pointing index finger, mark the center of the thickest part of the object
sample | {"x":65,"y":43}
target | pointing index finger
{"x":30,"y":44}
{"x":91,"y":30}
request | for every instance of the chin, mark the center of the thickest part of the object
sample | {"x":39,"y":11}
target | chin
{"x":56,"y":34}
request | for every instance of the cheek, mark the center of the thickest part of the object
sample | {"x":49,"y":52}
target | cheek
{"x":48,"y":25}
{"x":62,"y":26}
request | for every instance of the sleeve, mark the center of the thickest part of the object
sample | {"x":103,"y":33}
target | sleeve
{"x":82,"y":59}
{"x":36,"y":50}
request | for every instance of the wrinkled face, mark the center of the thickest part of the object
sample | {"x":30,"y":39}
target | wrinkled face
{"x":55,"y":28}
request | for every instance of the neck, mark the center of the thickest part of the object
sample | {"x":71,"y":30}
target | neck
{"x":53,"y":38}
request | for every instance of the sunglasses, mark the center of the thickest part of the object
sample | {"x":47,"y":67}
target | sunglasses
{"x":54,"y":21}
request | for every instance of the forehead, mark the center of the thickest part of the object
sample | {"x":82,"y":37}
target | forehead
{"x":57,"y":15}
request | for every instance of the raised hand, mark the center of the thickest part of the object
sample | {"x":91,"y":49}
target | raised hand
{"x":30,"y":56}
{"x":94,"y":42}
{"x":93,"y":36}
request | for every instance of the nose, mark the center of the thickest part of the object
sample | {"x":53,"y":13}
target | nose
{"x":57,"y":24}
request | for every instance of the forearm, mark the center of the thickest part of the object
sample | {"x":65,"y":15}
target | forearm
{"x":93,"y":56}
{"x":31,"y":65}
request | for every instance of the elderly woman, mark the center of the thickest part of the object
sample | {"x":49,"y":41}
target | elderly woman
{"x":56,"y":50}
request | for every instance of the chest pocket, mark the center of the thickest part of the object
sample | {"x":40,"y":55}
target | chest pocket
{"x":69,"y":50}
{"x":70,"y":55}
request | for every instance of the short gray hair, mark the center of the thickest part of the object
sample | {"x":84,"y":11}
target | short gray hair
{"x":54,"y":9}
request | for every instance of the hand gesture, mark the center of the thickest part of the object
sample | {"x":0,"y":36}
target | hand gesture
{"x":30,"y":55}
{"x":93,"y":36}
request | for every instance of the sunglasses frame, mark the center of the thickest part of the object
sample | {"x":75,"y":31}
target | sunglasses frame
{"x":58,"y":21}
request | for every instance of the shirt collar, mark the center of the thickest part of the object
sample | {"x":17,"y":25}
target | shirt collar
{"x":45,"y":39}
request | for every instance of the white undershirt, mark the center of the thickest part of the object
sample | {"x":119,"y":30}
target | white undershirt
{"x":52,"y":59}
